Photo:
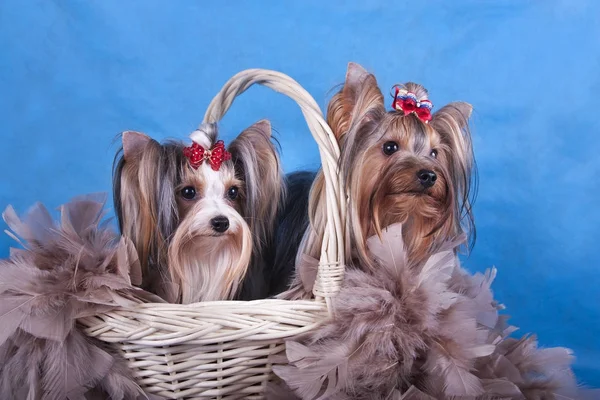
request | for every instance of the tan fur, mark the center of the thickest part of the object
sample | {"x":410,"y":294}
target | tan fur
{"x":137,"y":200}
{"x":224,"y":261}
{"x":383,"y":190}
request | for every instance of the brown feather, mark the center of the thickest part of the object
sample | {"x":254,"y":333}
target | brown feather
{"x":69,"y":270}
{"x":430,"y":330}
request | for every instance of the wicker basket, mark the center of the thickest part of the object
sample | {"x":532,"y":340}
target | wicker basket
{"x":221,"y":350}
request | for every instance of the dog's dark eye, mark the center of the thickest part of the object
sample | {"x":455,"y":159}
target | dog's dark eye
{"x":433,"y":153}
{"x":232,"y":193}
{"x":188,"y":192}
{"x":390,"y":148}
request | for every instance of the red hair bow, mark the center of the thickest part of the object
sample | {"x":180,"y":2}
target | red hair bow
{"x":409,"y":103}
{"x":215,"y":156}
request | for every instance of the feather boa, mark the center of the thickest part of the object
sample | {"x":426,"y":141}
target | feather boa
{"x":431,"y":332}
{"x":76,"y":268}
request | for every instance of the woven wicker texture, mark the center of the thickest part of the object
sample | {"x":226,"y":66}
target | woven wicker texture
{"x":331,"y":268}
{"x":221,"y":350}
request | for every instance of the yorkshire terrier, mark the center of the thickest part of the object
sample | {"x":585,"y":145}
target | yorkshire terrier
{"x":407,"y":165}
{"x":201,"y":216}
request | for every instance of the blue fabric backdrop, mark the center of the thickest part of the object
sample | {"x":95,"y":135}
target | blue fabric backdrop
{"x":73,"y":74}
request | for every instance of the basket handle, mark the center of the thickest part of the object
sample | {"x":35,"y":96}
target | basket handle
{"x":331,"y":265}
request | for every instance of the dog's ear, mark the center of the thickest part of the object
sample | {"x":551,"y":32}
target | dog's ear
{"x":360,"y":100}
{"x":133,"y":143}
{"x":452,"y":123}
{"x":145,"y":205}
{"x":459,"y":112}
{"x":257,"y":163}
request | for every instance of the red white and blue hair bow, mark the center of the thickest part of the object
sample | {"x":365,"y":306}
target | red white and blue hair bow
{"x":408,"y":102}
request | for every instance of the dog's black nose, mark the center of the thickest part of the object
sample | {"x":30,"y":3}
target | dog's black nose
{"x":220,"y":224}
{"x":426,"y":177}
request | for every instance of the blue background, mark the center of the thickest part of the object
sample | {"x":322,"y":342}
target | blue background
{"x":73,"y":74}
